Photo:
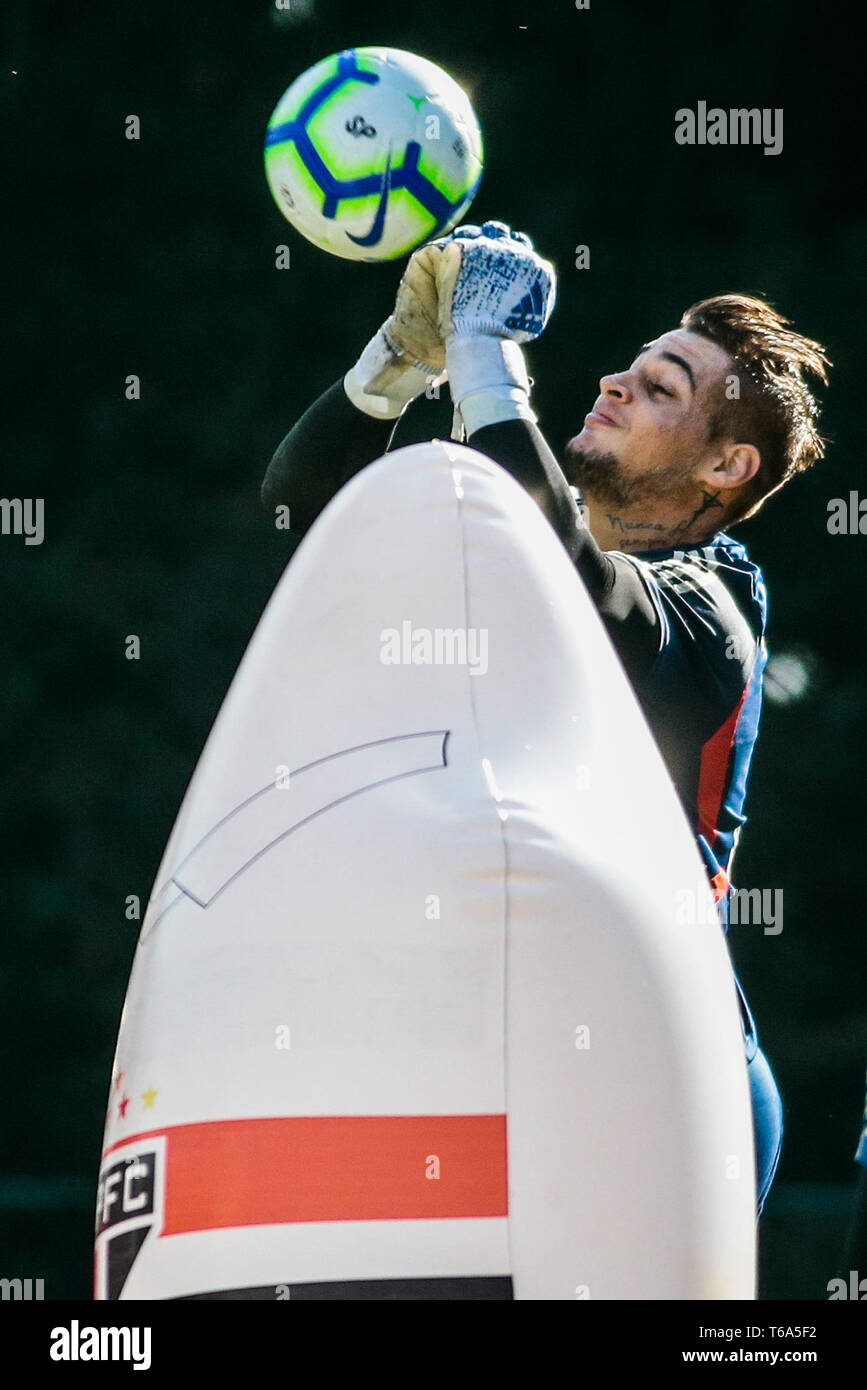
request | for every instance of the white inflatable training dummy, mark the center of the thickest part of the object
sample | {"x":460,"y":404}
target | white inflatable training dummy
{"x":413,"y":1012}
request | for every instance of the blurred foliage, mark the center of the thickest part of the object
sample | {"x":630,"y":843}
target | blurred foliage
{"x":157,"y":257}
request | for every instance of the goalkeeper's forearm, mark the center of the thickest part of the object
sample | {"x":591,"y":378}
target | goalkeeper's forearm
{"x":613,"y":583}
{"x":331,"y":442}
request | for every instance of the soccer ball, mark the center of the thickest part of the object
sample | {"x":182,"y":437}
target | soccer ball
{"x":372,"y":152}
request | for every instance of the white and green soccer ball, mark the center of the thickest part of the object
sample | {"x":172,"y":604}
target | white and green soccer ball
{"x":372,"y":152}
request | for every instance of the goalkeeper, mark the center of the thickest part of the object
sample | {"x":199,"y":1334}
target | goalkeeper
{"x":708,"y":421}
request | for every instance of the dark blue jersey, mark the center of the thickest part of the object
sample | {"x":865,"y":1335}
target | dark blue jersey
{"x":703,"y":690}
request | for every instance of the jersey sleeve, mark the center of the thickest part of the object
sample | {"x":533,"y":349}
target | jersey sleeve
{"x":331,"y":442}
{"x":618,"y":591}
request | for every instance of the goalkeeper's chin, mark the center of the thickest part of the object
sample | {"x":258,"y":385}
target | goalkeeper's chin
{"x":588,"y":467}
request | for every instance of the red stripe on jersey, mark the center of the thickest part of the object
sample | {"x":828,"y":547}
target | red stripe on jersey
{"x":714,"y":773}
{"x":720,"y":885}
{"x":331,"y":1168}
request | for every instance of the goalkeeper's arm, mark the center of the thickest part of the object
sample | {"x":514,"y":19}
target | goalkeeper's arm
{"x":353,"y":422}
{"x":331,"y":442}
{"x":495,"y":292}
{"x":613,"y":583}
{"x":334,"y":440}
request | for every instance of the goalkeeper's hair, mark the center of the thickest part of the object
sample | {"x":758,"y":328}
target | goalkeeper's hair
{"x":772,"y":406}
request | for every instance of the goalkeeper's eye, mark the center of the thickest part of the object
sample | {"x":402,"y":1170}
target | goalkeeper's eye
{"x":656,"y":386}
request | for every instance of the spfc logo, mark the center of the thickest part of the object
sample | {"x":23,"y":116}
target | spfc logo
{"x":129,"y":1210}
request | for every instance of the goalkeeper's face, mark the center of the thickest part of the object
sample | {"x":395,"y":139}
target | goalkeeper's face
{"x":648,"y":436}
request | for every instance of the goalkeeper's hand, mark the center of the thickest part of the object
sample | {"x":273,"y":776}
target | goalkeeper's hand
{"x":494,"y":293}
{"x":491,"y":282}
{"x":408,"y":351}
{"x":465,"y":303}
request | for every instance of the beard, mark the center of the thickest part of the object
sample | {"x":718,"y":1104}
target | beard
{"x":604,"y":478}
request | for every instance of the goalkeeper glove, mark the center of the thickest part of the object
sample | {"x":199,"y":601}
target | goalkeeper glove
{"x":407,"y":351}
{"x":494,"y":293}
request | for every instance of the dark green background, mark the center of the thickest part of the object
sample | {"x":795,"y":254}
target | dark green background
{"x":157,"y":258}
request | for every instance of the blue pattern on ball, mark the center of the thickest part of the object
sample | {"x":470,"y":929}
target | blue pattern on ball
{"x":405,"y":175}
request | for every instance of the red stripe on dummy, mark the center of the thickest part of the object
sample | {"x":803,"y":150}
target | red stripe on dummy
{"x":331,"y":1168}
